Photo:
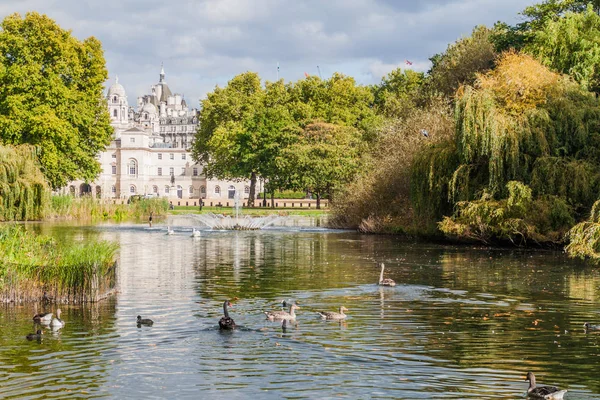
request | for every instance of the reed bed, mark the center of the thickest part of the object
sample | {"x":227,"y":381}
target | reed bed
{"x":89,"y":208}
{"x":31,"y":266}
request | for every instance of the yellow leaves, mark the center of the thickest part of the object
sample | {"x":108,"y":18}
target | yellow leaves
{"x":519,"y":82}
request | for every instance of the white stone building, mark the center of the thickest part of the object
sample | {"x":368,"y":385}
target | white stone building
{"x":150,"y":153}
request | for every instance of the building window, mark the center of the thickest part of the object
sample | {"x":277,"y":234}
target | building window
{"x":171,"y":171}
{"x":195,"y":172}
{"x":202,"y":190}
{"x":114,"y":156}
{"x":114,"y":169}
{"x":159,"y":171}
{"x":132,"y":189}
{"x":114,"y":113}
{"x":183,"y":156}
{"x":113,"y":189}
{"x":247,"y":189}
{"x":160,"y":156}
{"x":132,"y":167}
{"x":191,"y":190}
{"x":217,"y":190}
{"x":155,"y":189}
{"x":115,"y":99}
{"x":172,"y":156}
{"x":132,"y":139}
{"x":166,"y":190}
{"x":182,"y":170}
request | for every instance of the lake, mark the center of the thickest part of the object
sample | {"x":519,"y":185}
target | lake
{"x":462,"y":322}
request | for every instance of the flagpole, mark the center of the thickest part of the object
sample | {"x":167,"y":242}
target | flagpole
{"x":277,"y":70}
{"x":319,"y":69}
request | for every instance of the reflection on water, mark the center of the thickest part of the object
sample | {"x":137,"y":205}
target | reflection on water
{"x":461,"y":323}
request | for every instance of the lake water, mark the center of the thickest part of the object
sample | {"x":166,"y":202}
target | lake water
{"x":463,"y":322}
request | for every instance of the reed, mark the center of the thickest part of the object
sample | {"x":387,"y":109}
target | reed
{"x":89,"y":208}
{"x":68,"y":272}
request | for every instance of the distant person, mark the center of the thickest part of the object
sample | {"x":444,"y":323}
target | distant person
{"x":171,"y":206}
{"x":201,"y":204}
{"x":150,"y":219}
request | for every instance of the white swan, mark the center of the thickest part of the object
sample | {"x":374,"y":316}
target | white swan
{"x":170,"y":231}
{"x":195,"y":233}
{"x":57,"y":323}
{"x":386,"y":281}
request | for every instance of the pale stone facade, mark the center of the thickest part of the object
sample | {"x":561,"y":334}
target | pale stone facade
{"x":150,"y":152}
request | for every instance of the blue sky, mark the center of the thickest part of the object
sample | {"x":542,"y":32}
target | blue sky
{"x":205,"y":43}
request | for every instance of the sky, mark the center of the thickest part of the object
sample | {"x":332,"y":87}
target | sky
{"x":204,"y":43}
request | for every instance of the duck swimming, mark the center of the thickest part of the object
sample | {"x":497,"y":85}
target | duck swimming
{"x":35,"y":336}
{"x":144,"y":321}
{"x":386,"y":281}
{"x":226,"y":322}
{"x":57,"y":323}
{"x":41,"y":318}
{"x":333,"y":315}
{"x":543,"y":392}
{"x":589,"y":327}
{"x":278,"y":315}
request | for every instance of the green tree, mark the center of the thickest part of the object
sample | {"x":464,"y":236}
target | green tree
{"x":325,"y":157}
{"x":395,"y":96}
{"x":51,"y":96}
{"x":571,"y":45}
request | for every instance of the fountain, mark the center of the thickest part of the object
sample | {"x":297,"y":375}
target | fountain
{"x":238,"y":222}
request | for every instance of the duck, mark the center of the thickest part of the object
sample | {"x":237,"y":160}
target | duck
{"x":333,"y":315}
{"x":589,"y":327}
{"x":386,"y":281}
{"x":226,"y":322}
{"x":195,"y":233}
{"x":543,"y":392}
{"x":41,"y":318}
{"x":277,"y":315}
{"x":144,"y":321}
{"x":170,"y":231}
{"x":35,"y":336}
{"x":57,"y":323}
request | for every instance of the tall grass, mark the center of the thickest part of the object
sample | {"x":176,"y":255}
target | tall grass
{"x":69,"y":272}
{"x":90,"y":208}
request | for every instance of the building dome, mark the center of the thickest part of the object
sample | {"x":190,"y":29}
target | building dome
{"x":116,"y":88}
{"x":149,"y":108}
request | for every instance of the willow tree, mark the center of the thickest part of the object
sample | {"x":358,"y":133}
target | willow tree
{"x":519,"y":122}
{"x":51,"y":96}
{"x":24,"y":193}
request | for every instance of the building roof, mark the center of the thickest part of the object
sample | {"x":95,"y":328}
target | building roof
{"x":134,"y":131}
{"x":165,"y":92}
{"x":116,"y":88}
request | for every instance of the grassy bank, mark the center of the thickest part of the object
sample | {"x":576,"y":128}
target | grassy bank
{"x":89,"y":208}
{"x":68,"y":272}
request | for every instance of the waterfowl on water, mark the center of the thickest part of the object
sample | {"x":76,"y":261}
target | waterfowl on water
{"x":285,"y":303}
{"x":41,"y":318}
{"x":333,"y":315}
{"x":284,"y":325}
{"x":35,"y":336}
{"x":170,"y":231}
{"x":386,"y":281}
{"x":589,"y":327}
{"x":543,"y":392}
{"x":226,"y":322}
{"x":57,"y":323}
{"x":273,"y":315}
{"x":195,"y":232}
{"x":144,"y":321}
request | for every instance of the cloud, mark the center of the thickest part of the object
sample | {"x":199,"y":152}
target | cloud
{"x":204,"y":43}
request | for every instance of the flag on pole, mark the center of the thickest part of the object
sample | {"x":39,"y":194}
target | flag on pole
{"x":277,"y":66}
{"x":407,"y":62}
{"x":306,"y":74}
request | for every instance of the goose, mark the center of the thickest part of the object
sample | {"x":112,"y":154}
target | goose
{"x":226,"y":322}
{"x":273,"y":315}
{"x":35,"y":336}
{"x":543,"y":392}
{"x":144,"y":321}
{"x":195,"y":233}
{"x":333,"y":315}
{"x":386,"y":281}
{"x":57,"y":323}
{"x":41,"y":318}
{"x":589,"y":327}
{"x":170,"y":231}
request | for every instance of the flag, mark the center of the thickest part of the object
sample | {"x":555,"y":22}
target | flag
{"x":407,"y":62}
{"x":277,"y":66}
{"x":306,"y":74}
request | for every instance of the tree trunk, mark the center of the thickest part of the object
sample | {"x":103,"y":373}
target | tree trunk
{"x":252,"y":190}
{"x":318,"y":200}
{"x":273,"y":198}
